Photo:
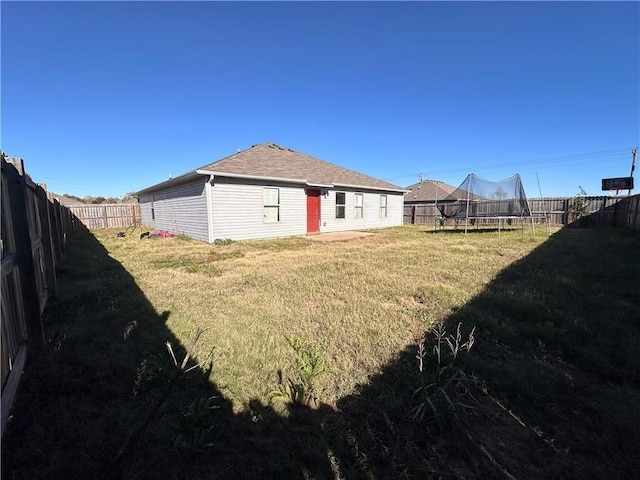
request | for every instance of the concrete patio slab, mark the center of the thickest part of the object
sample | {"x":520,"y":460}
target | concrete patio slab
{"x":338,"y":236}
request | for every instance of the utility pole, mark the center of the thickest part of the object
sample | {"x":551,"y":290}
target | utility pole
{"x":420,"y":177}
{"x":633,"y":166}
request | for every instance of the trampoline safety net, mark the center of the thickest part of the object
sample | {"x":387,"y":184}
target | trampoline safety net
{"x":478,"y":198}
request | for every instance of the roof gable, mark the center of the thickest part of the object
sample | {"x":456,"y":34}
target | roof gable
{"x":428,"y":190}
{"x":274,"y":161}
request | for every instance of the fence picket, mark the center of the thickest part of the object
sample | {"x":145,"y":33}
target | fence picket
{"x":107,"y":215}
{"x":33,"y":240}
{"x":602,"y":211}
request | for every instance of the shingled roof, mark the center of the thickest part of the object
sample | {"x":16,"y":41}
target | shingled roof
{"x":271,"y":162}
{"x":428,"y":191}
{"x":268,"y":160}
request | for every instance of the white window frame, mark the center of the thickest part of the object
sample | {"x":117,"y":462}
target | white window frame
{"x":270,"y":204}
{"x":358,"y":206}
{"x":342,"y":205}
{"x":384,"y":206}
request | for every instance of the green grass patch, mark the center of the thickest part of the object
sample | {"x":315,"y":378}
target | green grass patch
{"x":204,"y":263}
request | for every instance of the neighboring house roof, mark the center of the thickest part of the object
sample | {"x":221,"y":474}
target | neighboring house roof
{"x":428,"y":191}
{"x":271,"y":162}
{"x":68,"y":201}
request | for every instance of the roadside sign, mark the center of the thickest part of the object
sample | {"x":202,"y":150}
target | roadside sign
{"x":622,"y":183}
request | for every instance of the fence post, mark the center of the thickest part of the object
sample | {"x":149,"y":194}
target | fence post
{"x":56,"y":230}
{"x":17,"y":187}
{"x":47,"y":242}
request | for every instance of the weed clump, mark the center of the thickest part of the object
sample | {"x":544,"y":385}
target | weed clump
{"x":223,"y":241}
{"x":310,"y":365}
{"x":446,"y":392}
{"x":193,"y":425}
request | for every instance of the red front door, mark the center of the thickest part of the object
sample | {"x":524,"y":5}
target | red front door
{"x":313,"y":211}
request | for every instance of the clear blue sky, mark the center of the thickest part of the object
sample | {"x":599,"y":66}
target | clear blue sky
{"x":111,"y":97}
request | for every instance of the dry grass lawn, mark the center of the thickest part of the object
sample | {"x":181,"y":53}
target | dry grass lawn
{"x":552,"y":383}
{"x":363,"y":300}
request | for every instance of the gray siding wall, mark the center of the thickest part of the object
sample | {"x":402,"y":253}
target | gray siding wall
{"x":145,"y":209}
{"x":180,"y":209}
{"x":371,"y":211}
{"x":238,"y":211}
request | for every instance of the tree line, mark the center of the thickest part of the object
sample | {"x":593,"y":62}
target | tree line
{"x":91,"y":200}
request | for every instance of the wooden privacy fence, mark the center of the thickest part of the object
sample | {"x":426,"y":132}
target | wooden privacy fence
{"x":112,"y":215}
{"x":34,"y":229}
{"x":601,"y":211}
{"x":598,"y":211}
{"x":625,"y":213}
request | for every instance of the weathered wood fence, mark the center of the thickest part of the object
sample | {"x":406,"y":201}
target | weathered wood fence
{"x":34,"y":229}
{"x":111,"y":215}
{"x":601,"y":211}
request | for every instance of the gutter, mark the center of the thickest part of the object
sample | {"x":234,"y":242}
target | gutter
{"x":320,"y":185}
{"x":297,"y":180}
{"x":168,"y":183}
{"x":363,"y":187}
{"x":249,"y":177}
{"x":212,"y":174}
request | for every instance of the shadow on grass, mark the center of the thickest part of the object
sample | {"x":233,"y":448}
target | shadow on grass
{"x":557,"y":338}
{"x":106,"y":369}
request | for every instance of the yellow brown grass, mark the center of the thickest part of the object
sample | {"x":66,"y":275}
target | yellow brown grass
{"x":366,"y":299}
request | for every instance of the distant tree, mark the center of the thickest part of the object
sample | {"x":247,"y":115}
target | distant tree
{"x":72,"y":197}
{"x":130,"y":198}
{"x":581,"y":207}
{"x":500,"y":194}
{"x":91,"y":200}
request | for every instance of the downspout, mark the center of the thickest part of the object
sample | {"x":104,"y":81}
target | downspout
{"x":208,"y":196}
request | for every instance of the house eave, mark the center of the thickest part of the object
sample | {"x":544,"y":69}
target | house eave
{"x":169,"y":183}
{"x":320,"y":185}
{"x":292,"y":180}
{"x":298,"y":181}
{"x":369,"y":187}
{"x":251,"y":177}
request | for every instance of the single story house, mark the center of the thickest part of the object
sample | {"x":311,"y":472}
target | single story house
{"x":269,"y":191}
{"x":428,"y":192}
{"x":422,"y":199}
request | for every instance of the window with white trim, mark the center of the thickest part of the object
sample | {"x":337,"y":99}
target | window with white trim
{"x":340,"y":204}
{"x":383,"y":206}
{"x":271,"y":204}
{"x":358,"y":205}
